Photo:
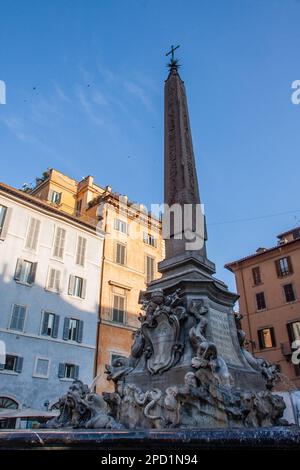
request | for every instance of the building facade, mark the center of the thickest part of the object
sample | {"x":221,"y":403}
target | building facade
{"x":133,"y":247}
{"x":50,"y":265}
{"x":268,"y":283}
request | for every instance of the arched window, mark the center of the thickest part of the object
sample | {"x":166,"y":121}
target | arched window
{"x":8,"y":403}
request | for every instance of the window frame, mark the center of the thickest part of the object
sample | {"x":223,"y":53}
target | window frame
{"x":256,"y":275}
{"x":124,"y":246}
{"x":79,"y":256}
{"x":50,"y":196}
{"x":261,"y":342}
{"x":147,"y":237}
{"x":4,"y":218}
{"x":11,"y":316}
{"x":47,"y":287}
{"x":286,"y":272}
{"x":31,"y":274}
{"x":56,"y":321}
{"x":256,"y":302}
{"x":119,"y":222}
{"x":54,"y":256}
{"x":113,"y":309}
{"x":39,"y":224}
{"x":39,"y":376}
{"x":146,"y":267}
{"x":285,"y":295}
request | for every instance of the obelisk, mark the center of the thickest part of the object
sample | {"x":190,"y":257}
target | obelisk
{"x":181,"y":189}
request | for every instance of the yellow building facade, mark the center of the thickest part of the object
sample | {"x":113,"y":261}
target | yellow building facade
{"x":133,"y":246}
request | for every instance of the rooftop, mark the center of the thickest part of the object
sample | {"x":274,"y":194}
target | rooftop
{"x":262,"y":251}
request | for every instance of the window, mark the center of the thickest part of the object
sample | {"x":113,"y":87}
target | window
{"x":78,"y":207}
{"x":3,"y":212}
{"x":289,"y":293}
{"x":41,"y":368}
{"x":54,"y":197}
{"x":17,"y":319}
{"x":68,"y":371}
{"x":13,"y":363}
{"x":25,"y":271}
{"x":296,"y":234}
{"x":266,"y":338}
{"x":53,"y":281}
{"x":77,"y":286}
{"x":73,"y":330}
{"x":59,"y":243}
{"x":118,"y":313}
{"x":284,"y":266}
{"x":260,"y":301}
{"x":120,"y":226}
{"x":50,"y":324}
{"x":120,"y":254}
{"x":149,"y":268}
{"x":294,"y":331}
{"x":81,"y":250}
{"x":8,"y":403}
{"x":256,"y":275}
{"x":149,"y":239}
{"x":33,"y":234}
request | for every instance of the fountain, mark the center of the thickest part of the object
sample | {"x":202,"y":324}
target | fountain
{"x":189,"y":379}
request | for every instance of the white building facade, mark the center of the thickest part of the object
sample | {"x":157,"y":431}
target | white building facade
{"x":50,"y":271}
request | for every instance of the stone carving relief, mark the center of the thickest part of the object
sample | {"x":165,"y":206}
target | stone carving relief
{"x":206,"y":395}
{"x":80,"y":408}
{"x":269,"y":371}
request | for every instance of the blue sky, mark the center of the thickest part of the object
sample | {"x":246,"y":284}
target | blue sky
{"x":85,"y":95}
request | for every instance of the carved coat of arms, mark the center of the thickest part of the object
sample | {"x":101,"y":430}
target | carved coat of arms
{"x":161,"y":330}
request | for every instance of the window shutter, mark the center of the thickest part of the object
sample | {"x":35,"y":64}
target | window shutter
{"x":55,"y":326}
{"x":76,"y":372}
{"x":66,"y":328}
{"x":33,"y":234}
{"x":80,"y":331}
{"x":36,"y":234}
{"x":51,"y":280}
{"x":78,"y":253}
{"x":21,"y":319}
{"x":57,"y":280}
{"x":261,"y":339}
{"x":278,"y":270}
{"x":83,"y":290}
{"x":71,"y":284}
{"x":81,"y":249}
{"x":290,"y":266}
{"x":273,"y":337}
{"x":32,"y":273}
{"x":14,"y":317}
{"x":290,"y":332}
{"x":50,"y":195}
{"x":61,"y":370}
{"x":19,"y":365}
{"x":18,"y":269}
{"x":59,"y":242}
{"x":29,"y":238}
{"x":45,"y":323}
{"x":6,"y":223}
